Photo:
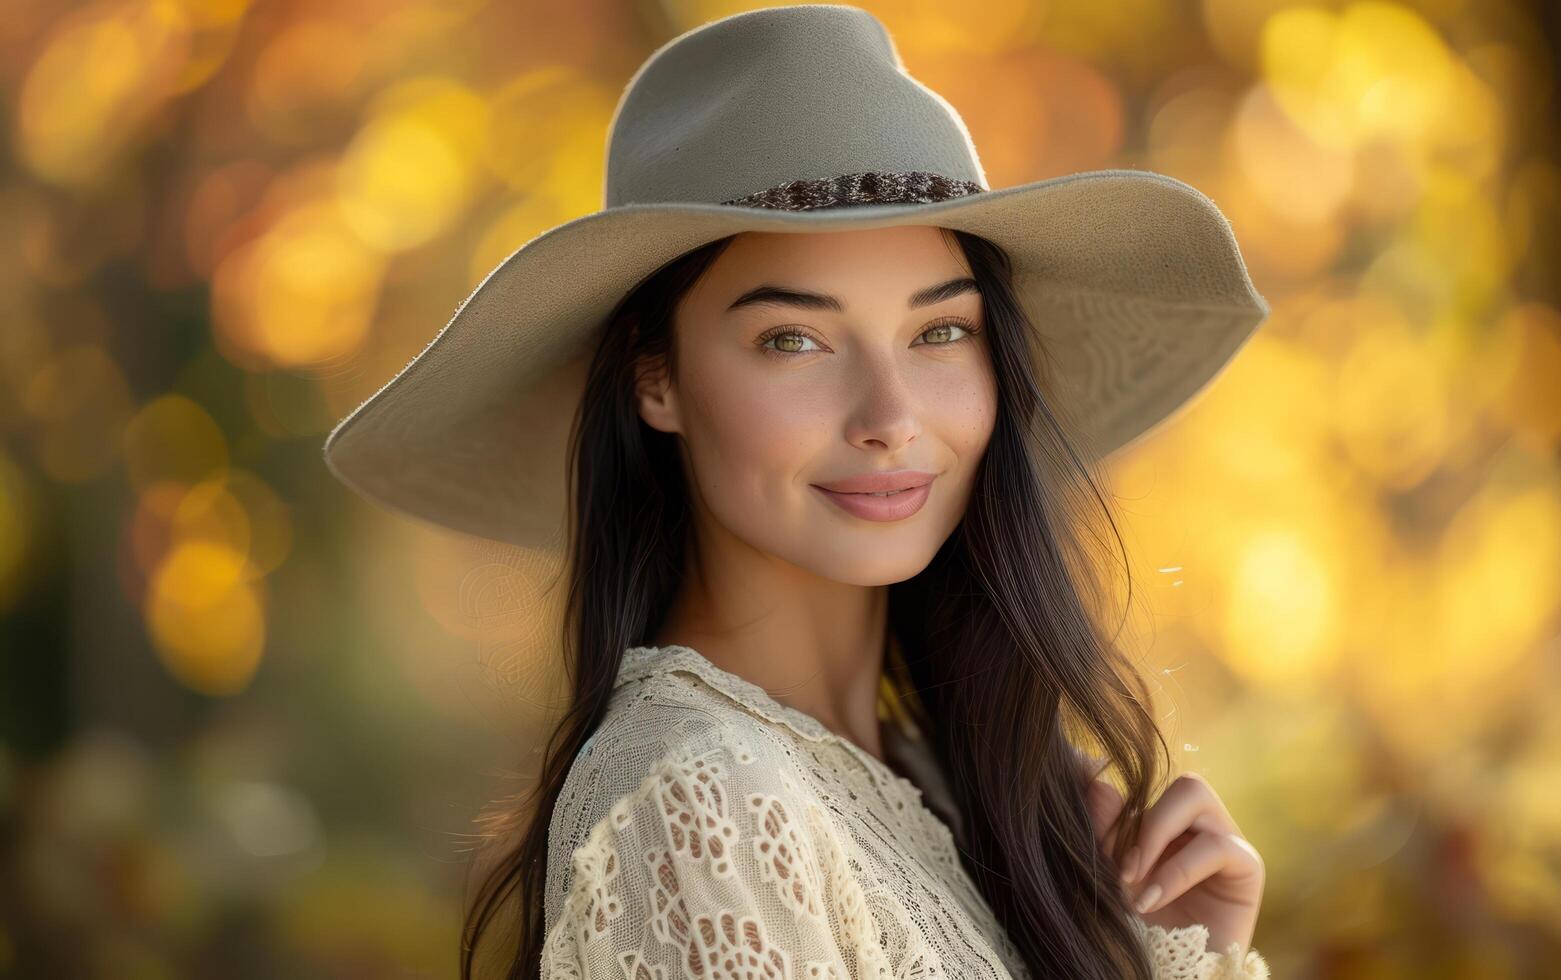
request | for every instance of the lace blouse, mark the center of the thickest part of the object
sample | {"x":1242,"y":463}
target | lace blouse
{"x":707,"y":830}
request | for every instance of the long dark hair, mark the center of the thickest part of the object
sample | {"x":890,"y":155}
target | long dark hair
{"x":1006,"y":661}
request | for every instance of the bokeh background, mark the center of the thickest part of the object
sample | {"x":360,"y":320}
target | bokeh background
{"x":248,"y":719}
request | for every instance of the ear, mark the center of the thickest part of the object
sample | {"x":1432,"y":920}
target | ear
{"x":656,"y":396}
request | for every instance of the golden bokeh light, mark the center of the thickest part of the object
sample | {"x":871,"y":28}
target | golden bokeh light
{"x":1291,"y":252}
{"x":1524,"y":396}
{"x":412,"y":168}
{"x":173,"y":438}
{"x":1371,"y":70}
{"x":1279,"y":615}
{"x":148,"y":533}
{"x":100,"y":74}
{"x":928,"y":27}
{"x":273,"y":535}
{"x":81,"y":404}
{"x":1299,"y":178}
{"x":18,"y":516}
{"x":1235,"y":28}
{"x":1129,"y":36}
{"x":575,"y":110}
{"x":307,"y":72}
{"x":1455,"y":238}
{"x":1499,"y":575}
{"x":1470,"y":130}
{"x":303,"y":292}
{"x":216,"y":211}
{"x":205,"y":614}
{"x":1187,"y":119}
{"x":1391,"y":406}
{"x":209,"y":513}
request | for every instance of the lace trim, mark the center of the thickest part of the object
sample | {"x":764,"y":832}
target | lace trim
{"x":1182,"y":953}
{"x":644,"y":661}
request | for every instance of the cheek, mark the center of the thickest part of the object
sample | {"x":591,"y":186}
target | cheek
{"x":962,"y":410}
{"x":753,"y":436}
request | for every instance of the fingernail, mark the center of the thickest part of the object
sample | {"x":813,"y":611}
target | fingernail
{"x":1148,"y":898}
{"x":1130,"y":865}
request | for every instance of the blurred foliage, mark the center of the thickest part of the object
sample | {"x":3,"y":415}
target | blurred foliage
{"x":248,"y":719}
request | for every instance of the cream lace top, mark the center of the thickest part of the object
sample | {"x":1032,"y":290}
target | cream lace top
{"x":707,"y":830}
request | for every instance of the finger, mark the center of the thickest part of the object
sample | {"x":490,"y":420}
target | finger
{"x":1105,"y":805}
{"x":1104,"y":802}
{"x":1207,"y":854}
{"x":1188,"y":804}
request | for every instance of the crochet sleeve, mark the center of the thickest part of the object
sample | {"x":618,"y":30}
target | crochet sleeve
{"x":715,"y":864}
{"x":1182,"y":954}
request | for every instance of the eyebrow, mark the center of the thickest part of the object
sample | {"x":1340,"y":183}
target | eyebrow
{"x":768,"y":295}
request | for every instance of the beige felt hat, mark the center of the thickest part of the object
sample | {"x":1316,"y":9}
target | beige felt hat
{"x":796,"y":118}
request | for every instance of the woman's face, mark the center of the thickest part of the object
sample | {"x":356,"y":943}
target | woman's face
{"x":863,"y":375}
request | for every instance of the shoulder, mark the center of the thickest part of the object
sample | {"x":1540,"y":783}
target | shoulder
{"x":677,"y":713}
{"x":685,"y":832}
{"x":662,"y":756}
{"x":643,"y":737}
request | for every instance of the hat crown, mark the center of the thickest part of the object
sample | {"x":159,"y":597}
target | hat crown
{"x":760,"y":99}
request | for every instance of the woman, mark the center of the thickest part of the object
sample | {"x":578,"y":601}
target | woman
{"x":843,"y":681}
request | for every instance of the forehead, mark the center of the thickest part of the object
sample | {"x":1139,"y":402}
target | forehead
{"x":861,"y":262}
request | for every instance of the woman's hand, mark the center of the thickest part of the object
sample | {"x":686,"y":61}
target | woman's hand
{"x":1190,"y":863}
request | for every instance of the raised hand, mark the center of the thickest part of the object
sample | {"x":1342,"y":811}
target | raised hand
{"x":1190,"y":863}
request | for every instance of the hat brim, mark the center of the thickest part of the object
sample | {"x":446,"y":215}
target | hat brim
{"x":1133,"y":280}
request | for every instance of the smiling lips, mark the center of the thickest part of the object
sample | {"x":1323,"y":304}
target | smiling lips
{"x":879,"y":482}
{"x":890,"y":496}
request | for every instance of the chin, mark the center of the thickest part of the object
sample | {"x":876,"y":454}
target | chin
{"x":851,"y":560}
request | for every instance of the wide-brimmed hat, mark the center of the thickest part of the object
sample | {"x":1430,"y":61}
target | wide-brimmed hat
{"x":790,"y":119}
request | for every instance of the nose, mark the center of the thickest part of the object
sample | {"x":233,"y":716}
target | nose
{"x":885,"y":414}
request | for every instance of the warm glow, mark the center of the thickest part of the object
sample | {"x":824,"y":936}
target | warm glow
{"x":205,"y":613}
{"x":248,"y":715}
{"x":410,"y":171}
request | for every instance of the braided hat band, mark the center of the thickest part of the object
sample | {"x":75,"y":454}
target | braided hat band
{"x":866,"y":187}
